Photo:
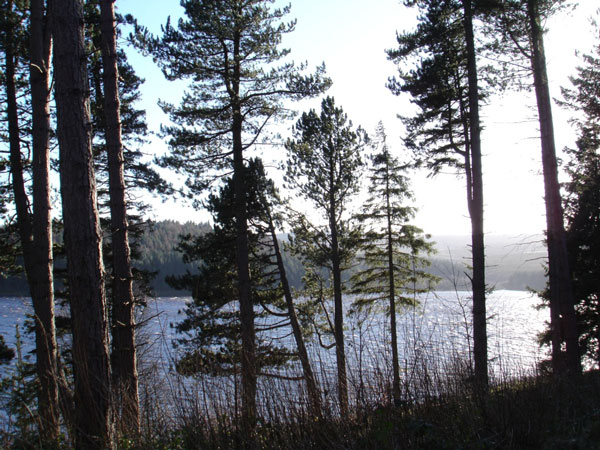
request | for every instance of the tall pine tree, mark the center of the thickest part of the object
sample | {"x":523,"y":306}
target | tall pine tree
{"x":445,"y":131}
{"x":32,"y":126}
{"x":520,"y":24}
{"x":93,"y":406}
{"x":229,"y":50}
{"x":324,"y":166}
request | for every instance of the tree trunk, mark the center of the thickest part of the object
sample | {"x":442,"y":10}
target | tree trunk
{"x":35,"y":230}
{"x":42,"y":282}
{"x":93,"y":414}
{"x":338,"y":308}
{"x":480,"y":352}
{"x":246,"y":308}
{"x":392,"y":281}
{"x":242,"y":258}
{"x":311,"y":384}
{"x":125,"y":375}
{"x":563,"y":323}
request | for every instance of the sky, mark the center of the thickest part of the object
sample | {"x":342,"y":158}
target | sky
{"x":351,"y":36}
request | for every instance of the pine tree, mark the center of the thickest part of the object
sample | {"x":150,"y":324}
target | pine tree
{"x":229,"y":51}
{"x":582,"y":203}
{"x":391,"y":248}
{"x":211,"y":330}
{"x":297,"y":330}
{"x":445,"y":131}
{"x":124,"y":360}
{"x":121,"y":177}
{"x":519,"y":23}
{"x":93,"y":407}
{"x":323,"y":166}
{"x":32,"y":126}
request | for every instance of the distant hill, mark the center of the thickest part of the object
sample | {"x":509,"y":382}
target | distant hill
{"x":512,"y":262}
{"x":158,"y":254}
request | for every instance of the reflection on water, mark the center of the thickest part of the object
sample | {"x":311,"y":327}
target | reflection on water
{"x":441,"y":321}
{"x":432,"y":336}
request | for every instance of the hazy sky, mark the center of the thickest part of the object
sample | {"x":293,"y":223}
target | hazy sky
{"x":351,"y":36}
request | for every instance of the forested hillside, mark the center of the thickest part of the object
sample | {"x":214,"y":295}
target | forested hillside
{"x":158,"y":254}
{"x":515,"y":263}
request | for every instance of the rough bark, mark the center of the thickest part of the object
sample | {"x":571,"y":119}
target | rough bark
{"x":246,"y":309}
{"x":309,"y":377}
{"x":124,"y":366}
{"x":480,"y":352}
{"x":35,"y":229}
{"x":563,"y":323}
{"x":42,"y":281}
{"x":93,"y":408}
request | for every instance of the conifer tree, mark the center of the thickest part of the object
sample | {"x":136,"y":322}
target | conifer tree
{"x":229,"y":51}
{"x":270,"y":200}
{"x":582,"y":203}
{"x":121,"y":175}
{"x":211,"y":330}
{"x":391,"y":247}
{"x":323,"y":166}
{"x":32,"y":126}
{"x":445,"y":131}
{"x":93,"y":406}
{"x":124,"y":360}
{"x":519,"y":23}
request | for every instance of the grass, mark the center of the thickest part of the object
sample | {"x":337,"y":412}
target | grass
{"x":525,"y":412}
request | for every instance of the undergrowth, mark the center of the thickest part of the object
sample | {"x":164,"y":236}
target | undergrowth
{"x":525,"y":413}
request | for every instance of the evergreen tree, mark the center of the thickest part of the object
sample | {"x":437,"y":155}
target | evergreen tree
{"x":120,"y":131}
{"x":211,"y":329}
{"x":229,"y":51}
{"x":31,"y":126}
{"x":124,"y":360}
{"x":391,"y":247}
{"x":582,"y":204}
{"x":323,"y":167}
{"x":519,"y":22}
{"x":93,"y":406}
{"x":445,"y":131}
{"x":271,"y":218}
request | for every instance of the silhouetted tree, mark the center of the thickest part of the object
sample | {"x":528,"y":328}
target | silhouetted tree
{"x":445,"y":131}
{"x":211,"y":330}
{"x":391,"y":247}
{"x":582,"y":203}
{"x":229,"y":50}
{"x":323,"y":166}
{"x":519,"y":22}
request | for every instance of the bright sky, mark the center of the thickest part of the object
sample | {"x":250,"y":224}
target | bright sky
{"x":350,"y":36}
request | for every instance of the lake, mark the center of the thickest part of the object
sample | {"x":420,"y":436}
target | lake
{"x":433,"y":336}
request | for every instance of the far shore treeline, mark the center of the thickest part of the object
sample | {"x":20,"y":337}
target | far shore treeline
{"x":516,"y":261}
